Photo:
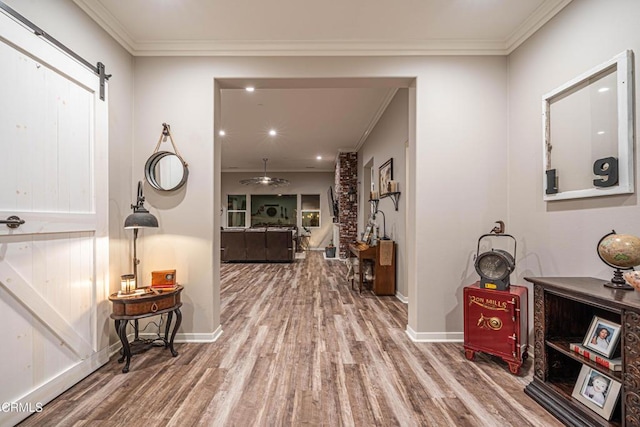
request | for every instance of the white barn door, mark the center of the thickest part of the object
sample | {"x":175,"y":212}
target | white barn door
{"x":54,"y":267}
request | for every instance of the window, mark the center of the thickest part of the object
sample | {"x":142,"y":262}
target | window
{"x":310,"y":210}
{"x":237,"y":211}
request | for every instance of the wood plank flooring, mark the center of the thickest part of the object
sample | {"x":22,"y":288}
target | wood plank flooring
{"x":301,"y":348}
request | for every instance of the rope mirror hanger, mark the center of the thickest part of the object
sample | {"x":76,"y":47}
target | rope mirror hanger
{"x":166,"y":170}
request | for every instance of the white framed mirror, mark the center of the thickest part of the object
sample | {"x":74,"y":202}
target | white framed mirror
{"x":588,"y":133}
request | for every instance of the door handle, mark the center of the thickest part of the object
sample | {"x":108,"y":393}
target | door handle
{"x":13,"y":221}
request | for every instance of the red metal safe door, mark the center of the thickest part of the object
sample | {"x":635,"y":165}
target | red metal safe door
{"x":495,"y":322}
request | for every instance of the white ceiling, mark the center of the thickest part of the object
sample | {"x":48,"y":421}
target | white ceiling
{"x":314,"y":117}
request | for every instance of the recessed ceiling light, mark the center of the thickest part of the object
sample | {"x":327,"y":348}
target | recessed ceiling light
{"x":250,"y":88}
{"x":222,"y":133}
{"x":603,"y":89}
{"x":318,"y":157}
{"x":272,"y":132}
{"x":601,"y":132}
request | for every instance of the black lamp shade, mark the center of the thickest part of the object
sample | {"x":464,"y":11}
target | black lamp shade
{"x":141,"y":219}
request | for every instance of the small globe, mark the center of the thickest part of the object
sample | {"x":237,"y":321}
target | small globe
{"x":620,"y":250}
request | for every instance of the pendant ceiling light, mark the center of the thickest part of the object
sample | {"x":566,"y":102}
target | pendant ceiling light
{"x":264,"y":180}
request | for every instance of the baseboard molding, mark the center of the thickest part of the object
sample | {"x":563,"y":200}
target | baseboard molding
{"x":54,"y":387}
{"x":434,"y":336}
{"x":191,"y":337}
{"x":446,"y":337}
{"x":324,"y":255}
{"x":402,"y":298}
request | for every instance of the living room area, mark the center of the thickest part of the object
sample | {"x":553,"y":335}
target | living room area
{"x":290,"y":192}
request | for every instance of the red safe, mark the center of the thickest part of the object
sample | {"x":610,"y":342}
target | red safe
{"x":496,"y":322}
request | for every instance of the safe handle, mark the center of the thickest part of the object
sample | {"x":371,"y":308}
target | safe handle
{"x":12,"y":222}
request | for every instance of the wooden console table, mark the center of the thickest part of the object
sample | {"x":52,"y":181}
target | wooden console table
{"x":384,"y":270}
{"x":563,"y":310}
{"x":126,"y":308}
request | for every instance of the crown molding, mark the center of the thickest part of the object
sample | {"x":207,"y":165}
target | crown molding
{"x":108,"y":22}
{"x":541,"y":16}
{"x":445,"y":47}
{"x":320,"y":48}
{"x":374,"y":120}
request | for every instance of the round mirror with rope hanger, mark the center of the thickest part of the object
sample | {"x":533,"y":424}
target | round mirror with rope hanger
{"x":166,"y":170}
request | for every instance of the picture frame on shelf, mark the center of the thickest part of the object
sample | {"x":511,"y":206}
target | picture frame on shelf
{"x":367,"y":234}
{"x":602,"y":336}
{"x":597,"y":391}
{"x":385,"y":176}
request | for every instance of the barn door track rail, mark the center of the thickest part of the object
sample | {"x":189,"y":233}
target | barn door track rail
{"x":99,"y":68}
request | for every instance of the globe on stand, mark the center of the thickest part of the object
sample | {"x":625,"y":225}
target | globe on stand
{"x":620,"y":252}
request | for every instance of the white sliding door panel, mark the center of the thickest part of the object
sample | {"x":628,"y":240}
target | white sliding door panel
{"x":53,"y":175}
{"x":45,"y":144}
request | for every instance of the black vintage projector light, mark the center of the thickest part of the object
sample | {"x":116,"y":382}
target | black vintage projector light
{"x":495,"y":266}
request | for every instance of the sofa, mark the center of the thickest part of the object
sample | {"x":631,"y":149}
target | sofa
{"x":262,"y":244}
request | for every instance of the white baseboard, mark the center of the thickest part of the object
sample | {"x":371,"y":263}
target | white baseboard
{"x":324,"y":255}
{"x":48,"y":391}
{"x":434,"y":336}
{"x":402,"y":298}
{"x":191,"y":337}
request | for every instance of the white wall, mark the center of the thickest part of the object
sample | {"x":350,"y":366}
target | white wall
{"x":459,"y":159}
{"x":461,"y":181}
{"x":387,"y":141}
{"x":63,"y":20}
{"x":559,"y":238}
{"x":457,"y":156}
{"x":301,"y":183}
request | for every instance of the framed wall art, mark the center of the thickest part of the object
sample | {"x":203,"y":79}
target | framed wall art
{"x":588,"y":133}
{"x":385,"y":176}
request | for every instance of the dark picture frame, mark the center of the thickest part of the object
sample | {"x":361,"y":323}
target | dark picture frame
{"x":385,"y":176}
{"x":596,"y":340}
{"x":597,"y":391}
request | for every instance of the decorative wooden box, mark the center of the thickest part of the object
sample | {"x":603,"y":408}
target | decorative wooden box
{"x":496,"y":322}
{"x":163,"y":279}
{"x":150,"y":302}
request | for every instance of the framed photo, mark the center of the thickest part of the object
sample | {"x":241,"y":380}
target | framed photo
{"x":385,"y":177}
{"x":367,"y":234}
{"x":596,"y":391}
{"x":602,"y":336}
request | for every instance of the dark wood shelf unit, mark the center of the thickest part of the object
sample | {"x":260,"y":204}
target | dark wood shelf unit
{"x":563,"y":310}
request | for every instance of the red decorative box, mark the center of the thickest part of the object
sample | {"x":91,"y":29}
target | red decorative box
{"x":496,"y":322}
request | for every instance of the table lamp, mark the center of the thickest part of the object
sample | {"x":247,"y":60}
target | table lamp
{"x":140,"y":218}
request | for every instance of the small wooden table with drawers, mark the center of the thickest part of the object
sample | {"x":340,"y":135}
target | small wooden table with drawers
{"x":151,"y":303}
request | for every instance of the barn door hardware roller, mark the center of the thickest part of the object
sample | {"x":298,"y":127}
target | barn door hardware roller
{"x":13,"y":221}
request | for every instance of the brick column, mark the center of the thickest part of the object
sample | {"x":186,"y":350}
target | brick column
{"x":347,"y":179}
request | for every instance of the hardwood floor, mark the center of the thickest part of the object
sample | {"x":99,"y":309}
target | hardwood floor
{"x":301,"y":348}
